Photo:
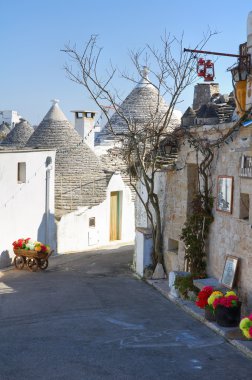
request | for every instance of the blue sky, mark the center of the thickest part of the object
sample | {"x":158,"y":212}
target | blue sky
{"x":34,"y":31}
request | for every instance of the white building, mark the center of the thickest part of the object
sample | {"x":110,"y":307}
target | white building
{"x":101,"y":224}
{"x":26,"y":198}
{"x":10,"y":117}
{"x":92,"y":207}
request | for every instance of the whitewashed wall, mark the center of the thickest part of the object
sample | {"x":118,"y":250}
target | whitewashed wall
{"x":10,"y":117}
{"x":23,"y":205}
{"x":160,"y":189}
{"x":141,"y":216}
{"x":143,"y":244}
{"x":74,"y":233}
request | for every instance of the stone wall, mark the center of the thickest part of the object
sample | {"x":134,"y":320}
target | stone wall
{"x":230,"y":234}
{"x":203,"y":93}
{"x":175,"y":206}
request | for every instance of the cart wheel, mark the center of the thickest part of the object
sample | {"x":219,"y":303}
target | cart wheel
{"x":19,"y":262}
{"x":32,"y":264}
{"x":43,"y":264}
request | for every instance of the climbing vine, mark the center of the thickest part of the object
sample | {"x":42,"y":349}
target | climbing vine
{"x":195,"y":232}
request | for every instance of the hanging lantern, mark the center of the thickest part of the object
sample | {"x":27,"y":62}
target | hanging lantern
{"x":201,"y":67}
{"x":209,"y":71}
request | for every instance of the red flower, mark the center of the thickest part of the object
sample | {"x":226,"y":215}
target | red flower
{"x":229,"y":301}
{"x":203,"y":295}
{"x":43,"y":248}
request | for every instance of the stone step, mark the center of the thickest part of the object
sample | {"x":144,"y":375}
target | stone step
{"x":211,"y":281}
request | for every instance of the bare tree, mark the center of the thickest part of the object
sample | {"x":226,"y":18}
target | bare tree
{"x":171,"y":72}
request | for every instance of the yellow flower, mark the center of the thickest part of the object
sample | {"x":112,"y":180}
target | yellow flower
{"x":231,"y":293}
{"x":245,"y":323}
{"x":246,"y":333}
{"x":217,"y":292}
{"x":214,"y":295}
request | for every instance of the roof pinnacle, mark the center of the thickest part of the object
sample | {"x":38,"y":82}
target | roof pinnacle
{"x":145,"y":72}
{"x":144,"y":81}
{"x":55,"y":102}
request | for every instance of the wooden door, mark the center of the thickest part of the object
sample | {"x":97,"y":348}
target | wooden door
{"x":115,"y":216}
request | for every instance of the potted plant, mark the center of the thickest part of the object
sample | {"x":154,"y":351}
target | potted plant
{"x":227,"y":310}
{"x":205,"y":300}
{"x":185,"y":287}
{"x":246,"y":326}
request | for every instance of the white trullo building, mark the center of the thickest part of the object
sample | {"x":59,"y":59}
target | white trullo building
{"x":92,"y":207}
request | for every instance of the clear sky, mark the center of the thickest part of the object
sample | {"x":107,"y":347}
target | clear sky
{"x":34,"y":31}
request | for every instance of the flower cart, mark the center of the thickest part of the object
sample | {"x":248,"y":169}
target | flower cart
{"x":32,"y":253}
{"x":32,"y":259}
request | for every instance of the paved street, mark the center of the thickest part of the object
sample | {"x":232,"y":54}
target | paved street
{"x":87,"y":317}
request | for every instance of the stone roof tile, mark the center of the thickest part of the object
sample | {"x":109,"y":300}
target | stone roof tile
{"x":189,"y":112}
{"x":79,"y":179}
{"x":143,"y":105}
{"x":19,"y":135}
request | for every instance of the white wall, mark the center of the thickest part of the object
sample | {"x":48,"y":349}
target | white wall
{"x":74,"y":233}
{"x":23,"y":205}
{"x":10,"y":117}
{"x":141,"y":216}
{"x":143,"y":242}
{"x":143,"y":250}
{"x":160,"y":189}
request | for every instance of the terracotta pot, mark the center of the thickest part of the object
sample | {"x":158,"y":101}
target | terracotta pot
{"x":209,"y":315}
{"x":228,"y":316}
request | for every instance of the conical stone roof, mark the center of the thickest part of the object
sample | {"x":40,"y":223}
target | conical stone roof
{"x":138,"y":107}
{"x":4,"y":130}
{"x":79,"y":179}
{"x":189,"y":113}
{"x":19,"y":135}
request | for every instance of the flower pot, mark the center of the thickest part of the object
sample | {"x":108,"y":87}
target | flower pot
{"x":228,"y":316}
{"x":209,"y":315}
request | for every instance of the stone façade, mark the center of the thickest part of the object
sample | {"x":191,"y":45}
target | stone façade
{"x":230,"y":233}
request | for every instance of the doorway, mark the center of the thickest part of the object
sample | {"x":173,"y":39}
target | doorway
{"x":115,"y":215}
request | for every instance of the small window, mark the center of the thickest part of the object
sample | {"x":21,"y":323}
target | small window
{"x":244,"y":206}
{"x":91,"y":222}
{"x":79,"y":115}
{"x":21,"y":175}
{"x":173,"y":245}
{"x":89,"y":115}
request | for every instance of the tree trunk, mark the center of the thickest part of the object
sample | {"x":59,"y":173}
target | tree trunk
{"x":157,"y":242}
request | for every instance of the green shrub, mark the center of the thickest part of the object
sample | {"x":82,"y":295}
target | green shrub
{"x":184,"y":284}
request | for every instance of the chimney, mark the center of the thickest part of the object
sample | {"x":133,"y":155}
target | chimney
{"x":84,"y":124}
{"x":203,"y":93}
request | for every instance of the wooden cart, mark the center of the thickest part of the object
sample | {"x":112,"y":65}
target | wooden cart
{"x":32,"y":259}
